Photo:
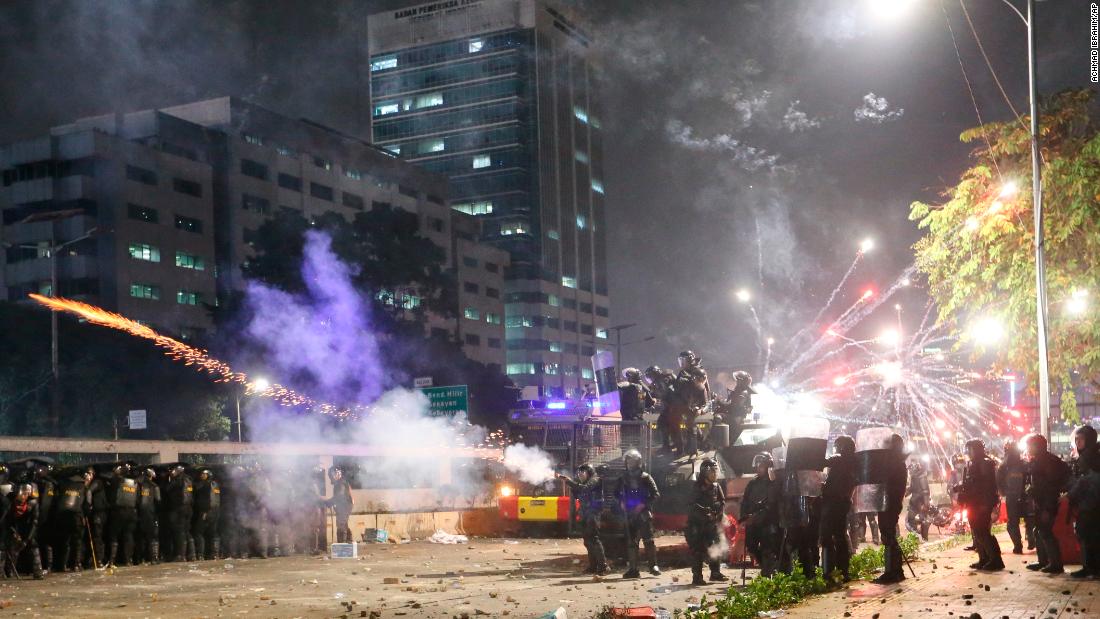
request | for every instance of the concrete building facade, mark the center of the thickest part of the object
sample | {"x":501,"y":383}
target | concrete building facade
{"x":178,"y":194}
{"x":501,"y":96}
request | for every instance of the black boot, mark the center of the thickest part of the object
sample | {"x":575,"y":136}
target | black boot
{"x":36,"y":565}
{"x":112,"y":554}
{"x":216,"y":548}
{"x":716,"y":574}
{"x":632,"y":561}
{"x":78,"y":560}
{"x":154,"y":552}
{"x":697,"y":575}
{"x":47,"y":558}
{"x":651,"y":558}
{"x":200,"y":548}
{"x":191,"y":549}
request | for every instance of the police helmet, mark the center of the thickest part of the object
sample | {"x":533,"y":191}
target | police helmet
{"x":150,"y":474}
{"x":687,"y":358}
{"x":24,"y":491}
{"x":633,"y":460}
{"x":1038,"y":440}
{"x":632,"y":374}
{"x":844,"y":444}
{"x":706,"y":466}
{"x":975,"y":445}
{"x":742,"y":376}
{"x":916,"y":466}
{"x":586,"y":468}
{"x":205,"y":474}
{"x":3,"y":469}
{"x":762,"y":458}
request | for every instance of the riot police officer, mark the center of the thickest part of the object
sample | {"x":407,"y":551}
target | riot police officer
{"x":1010,"y":482}
{"x":21,"y":531}
{"x":739,"y":399}
{"x":895,"y":475}
{"x":47,"y":527}
{"x":341,"y":503}
{"x":690,"y":393}
{"x":1047,"y":478}
{"x":706,"y":514}
{"x":1084,"y":499}
{"x":588,"y":490}
{"x":72,"y":501}
{"x":100,"y":508}
{"x":180,"y":499}
{"x":920,"y":496}
{"x":760,"y":516}
{"x":637,"y":493}
{"x":660,"y":388}
{"x":634,"y":400}
{"x":206,"y":514}
{"x":122,"y":495}
{"x":978,"y":493}
{"x":148,"y":526}
{"x":836,"y":502}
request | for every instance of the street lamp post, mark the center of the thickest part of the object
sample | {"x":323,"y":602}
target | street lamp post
{"x":618,"y":329}
{"x":258,"y":385}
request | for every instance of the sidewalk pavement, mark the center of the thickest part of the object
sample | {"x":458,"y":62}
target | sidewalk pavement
{"x":946,"y":588}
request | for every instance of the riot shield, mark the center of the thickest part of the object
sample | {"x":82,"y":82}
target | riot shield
{"x":872,"y":456}
{"x":801,"y":459}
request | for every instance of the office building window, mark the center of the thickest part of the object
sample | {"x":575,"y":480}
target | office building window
{"x":385,"y":109}
{"x":351,"y":200}
{"x":434,"y":145}
{"x":492,"y":293}
{"x":582,"y":222}
{"x":187,"y":297}
{"x":484,"y":207}
{"x":568,"y":281}
{"x":587,"y":351}
{"x":187,"y":187}
{"x":555,"y":346}
{"x":570,"y":326}
{"x":286,"y":151}
{"x":553,"y":300}
{"x":323,"y":192}
{"x":473,"y":339}
{"x":394,"y":148}
{"x":408,"y":191}
{"x":254,"y":169}
{"x":185,"y":260}
{"x":492,"y":267}
{"x":595,"y":122}
{"x":482,"y":161}
{"x":431,"y":99}
{"x":145,"y":291}
{"x":586,"y":308}
{"x":255,"y":203}
{"x":570,"y":370}
{"x":518,"y":321}
{"x":142,"y":213}
{"x":553,"y":234}
{"x":436,"y":224}
{"x":586,"y":329}
{"x":570,"y":304}
{"x":471,"y":313}
{"x":492,"y":318}
{"x":141,"y":175}
{"x":550,"y":369}
{"x":586,"y":373}
{"x":515,"y":227}
{"x":580,"y":113}
{"x":253,"y":139}
{"x":581,"y":156}
{"x":494,"y":342}
{"x":189,"y":224}
{"x":353,"y":174}
{"x":293,"y":183}
{"x":601,"y":311}
{"x":468,"y":261}
{"x":521,"y":368}
{"x":601,"y":333}
{"x":470,"y":287}
{"x":476,"y":45}
{"x":322,"y":163}
{"x":597,"y":185}
{"x":383,"y":63}
{"x":143,"y":251}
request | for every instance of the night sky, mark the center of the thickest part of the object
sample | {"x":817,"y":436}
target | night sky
{"x":744,"y":146}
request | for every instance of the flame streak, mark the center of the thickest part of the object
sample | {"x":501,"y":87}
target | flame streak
{"x":189,"y":355}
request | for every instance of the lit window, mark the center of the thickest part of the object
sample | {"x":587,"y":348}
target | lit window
{"x":581,"y":156}
{"x":482,"y":161}
{"x":322,"y":163}
{"x":383,"y":63}
{"x":190,"y":261}
{"x":353,"y":174}
{"x":431,"y":99}
{"x":554,"y":300}
{"x":597,"y":186}
{"x":409,"y":301}
{"x":586,"y":373}
{"x":568,"y":282}
{"x":471,"y":313}
{"x":601,"y":333}
{"x":383,"y":109}
{"x":253,"y":139}
{"x":555,"y":346}
{"x":595,"y":122}
{"x":484,"y":207}
{"x":550,"y":368}
{"x":286,"y":151}
{"x":491,"y":318}
{"x":142,"y":251}
{"x":518,"y":321}
{"x":394,"y":148}
{"x":580,"y":113}
{"x":513,"y":228}
{"x":432,"y":146}
{"x":145,"y":291}
{"x":187,"y":297}
{"x":553,"y":234}
{"x":521,"y":368}
{"x":582,"y":222}
{"x":476,"y":45}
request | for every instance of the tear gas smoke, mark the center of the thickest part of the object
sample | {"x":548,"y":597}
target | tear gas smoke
{"x":532,"y":464}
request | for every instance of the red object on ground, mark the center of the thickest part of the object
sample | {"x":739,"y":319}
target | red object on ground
{"x":638,"y":612}
{"x":1067,"y":539}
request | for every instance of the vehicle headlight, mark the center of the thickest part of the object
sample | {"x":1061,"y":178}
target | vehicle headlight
{"x":506,"y":491}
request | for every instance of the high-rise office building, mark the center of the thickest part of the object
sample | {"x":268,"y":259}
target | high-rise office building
{"x":500,"y":95}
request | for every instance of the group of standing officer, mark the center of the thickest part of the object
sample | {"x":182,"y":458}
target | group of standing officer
{"x":124,"y":514}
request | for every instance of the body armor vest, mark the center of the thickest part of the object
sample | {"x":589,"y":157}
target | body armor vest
{"x":72,"y":496}
{"x":126,"y":493}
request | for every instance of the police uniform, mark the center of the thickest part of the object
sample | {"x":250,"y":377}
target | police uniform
{"x":637,"y":492}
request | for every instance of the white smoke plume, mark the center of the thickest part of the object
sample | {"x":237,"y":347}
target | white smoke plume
{"x":532,"y":464}
{"x":721,"y":549}
{"x":745,"y":156}
{"x":876,"y":110}
{"x":795,"y":120}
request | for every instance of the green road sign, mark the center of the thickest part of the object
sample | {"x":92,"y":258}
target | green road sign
{"x":447,"y":400}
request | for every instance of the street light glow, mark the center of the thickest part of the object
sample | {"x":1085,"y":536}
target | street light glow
{"x":889,"y":10}
{"x":987,"y":331}
{"x":972,"y":403}
{"x":889,"y":337}
{"x":771,"y":340}
{"x":1009,"y":189}
{"x":743,"y":295}
{"x":866,"y":245}
{"x":972,"y":223}
{"x":261,"y":385}
{"x":1078,"y":302}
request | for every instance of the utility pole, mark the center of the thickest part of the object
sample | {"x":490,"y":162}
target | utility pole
{"x":618,"y":329}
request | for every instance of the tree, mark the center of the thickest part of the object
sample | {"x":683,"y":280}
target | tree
{"x":978,"y":253}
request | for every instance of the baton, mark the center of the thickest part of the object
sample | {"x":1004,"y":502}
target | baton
{"x":91,"y":542}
